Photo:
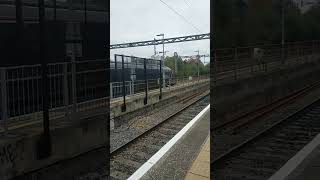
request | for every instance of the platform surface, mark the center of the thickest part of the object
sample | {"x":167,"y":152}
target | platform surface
{"x":179,"y":159}
{"x":304,"y":165}
{"x":200,"y":169}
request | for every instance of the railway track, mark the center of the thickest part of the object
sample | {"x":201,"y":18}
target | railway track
{"x":125,"y":160}
{"x":260,"y":156}
{"x":230,"y":134}
{"x":135,"y":124}
{"x":242,"y":121}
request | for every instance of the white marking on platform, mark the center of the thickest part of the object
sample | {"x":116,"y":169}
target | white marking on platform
{"x":296,"y":160}
{"x":156,"y":157}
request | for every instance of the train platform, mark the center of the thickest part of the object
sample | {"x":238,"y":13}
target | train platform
{"x":178,"y":157}
{"x":304,"y":165}
{"x":135,"y":102}
{"x":22,"y":145}
{"x":200,"y":169}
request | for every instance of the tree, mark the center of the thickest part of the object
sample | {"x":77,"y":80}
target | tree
{"x":187,"y":68}
{"x":249,"y":22}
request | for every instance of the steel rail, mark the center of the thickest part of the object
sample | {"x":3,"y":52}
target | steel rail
{"x":120,"y":148}
{"x":261,"y":133}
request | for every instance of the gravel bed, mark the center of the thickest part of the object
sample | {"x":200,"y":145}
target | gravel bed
{"x":225,"y":141}
{"x":135,"y":126}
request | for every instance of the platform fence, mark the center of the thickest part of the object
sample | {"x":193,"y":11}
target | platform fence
{"x":74,"y":89}
{"x":133,"y":76}
{"x":137,"y":87}
{"x":63,"y":4}
{"x":233,"y":63}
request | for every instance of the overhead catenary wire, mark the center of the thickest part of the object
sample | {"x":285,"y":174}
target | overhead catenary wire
{"x":187,"y":3}
{"x":185,"y":19}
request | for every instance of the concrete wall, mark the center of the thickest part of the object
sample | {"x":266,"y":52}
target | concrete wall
{"x":239,"y":97}
{"x":135,"y":105}
{"x":18,"y":153}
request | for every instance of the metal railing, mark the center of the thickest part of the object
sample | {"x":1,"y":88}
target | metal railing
{"x":133,"y":75}
{"x":138,"y":87}
{"x":76,"y":5}
{"x":82,"y":91}
{"x":231,"y":63}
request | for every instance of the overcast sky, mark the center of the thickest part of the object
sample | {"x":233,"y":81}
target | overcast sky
{"x":140,"y":20}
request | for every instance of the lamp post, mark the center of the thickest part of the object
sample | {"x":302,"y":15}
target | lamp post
{"x":154,"y":48}
{"x":162,"y":62}
{"x":175,"y":63}
{"x":282,"y":30}
{"x":198,"y":59}
{"x":44,"y":145}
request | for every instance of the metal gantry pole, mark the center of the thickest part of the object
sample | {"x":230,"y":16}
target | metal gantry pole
{"x":198,"y":62}
{"x":19,"y":18}
{"x":85,"y":38}
{"x":116,"y":67}
{"x":19,"y":42}
{"x":66,"y":90}
{"x":55,"y":10}
{"x":124,"y":108}
{"x":4,"y":100}
{"x":214,"y":67}
{"x":282,"y":31}
{"x":154,"y":48}
{"x":145,"y":82}
{"x":45,"y":142}
{"x":176,"y":63}
{"x":235,"y":62}
{"x":74,"y":83}
{"x":163,"y":73}
{"x":160,"y":85}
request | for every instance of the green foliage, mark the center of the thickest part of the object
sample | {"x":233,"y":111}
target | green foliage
{"x":246,"y":22}
{"x":189,"y":68}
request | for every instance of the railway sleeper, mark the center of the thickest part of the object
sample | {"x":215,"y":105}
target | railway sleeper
{"x":292,"y":136}
{"x":122,"y":167}
{"x":244,"y":170}
{"x":272,"y":158}
{"x":267,"y":150}
{"x":251,"y":166}
{"x":309,"y":114}
{"x":275,"y":145}
{"x":174,"y":126}
{"x":307,"y":136}
{"x":307,"y":119}
{"x":227,"y":176}
{"x":302,"y":124}
{"x":127,"y":162}
{"x":157,"y":140}
{"x":305,"y":128}
{"x":118,"y":175}
{"x":160,"y":135}
{"x":183,"y":117}
{"x":171,"y":132}
{"x":289,"y":142}
{"x":149,"y":149}
{"x":256,"y":163}
{"x":137,"y":156}
{"x":301,"y":133}
{"x":179,"y":124}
